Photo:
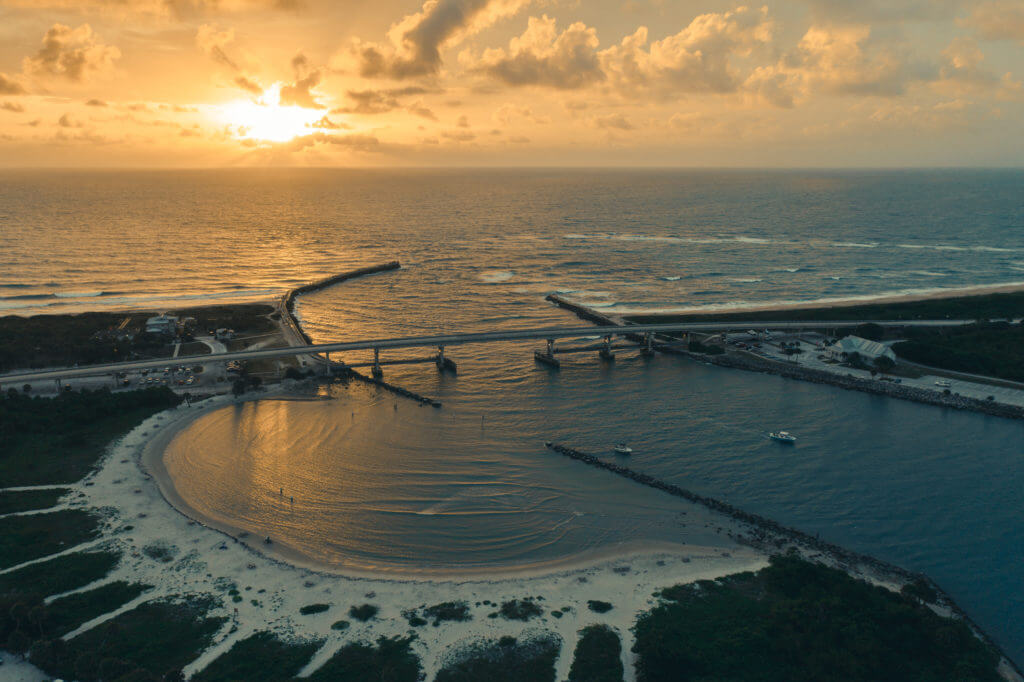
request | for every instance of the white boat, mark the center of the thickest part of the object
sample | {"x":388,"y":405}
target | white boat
{"x":943,"y":383}
{"x":782,"y":436}
{"x":622,"y":449}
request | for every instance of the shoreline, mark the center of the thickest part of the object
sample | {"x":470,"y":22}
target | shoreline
{"x":151,"y":461}
{"x":721,"y":309}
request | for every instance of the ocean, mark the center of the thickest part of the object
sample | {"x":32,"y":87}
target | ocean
{"x":379,"y":482}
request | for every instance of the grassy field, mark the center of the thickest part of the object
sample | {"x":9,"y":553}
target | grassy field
{"x":796,"y":621}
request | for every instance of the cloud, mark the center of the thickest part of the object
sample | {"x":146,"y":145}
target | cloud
{"x":998,"y":20}
{"x":369,"y":102}
{"x":72,"y":53}
{"x":458,"y":135}
{"x":694,"y":60}
{"x":542,"y":56}
{"x":12,"y":106}
{"x":616,"y":121}
{"x":415,"y":42}
{"x":300,"y":93}
{"x":843,"y":60}
{"x":326,"y":123}
{"x":356,"y":142}
{"x":95,"y":103}
{"x":9,"y":86}
{"x":213,"y":42}
{"x":248,"y":84}
{"x":962,"y":67}
{"x":877,"y":11}
{"x":66,"y":121}
{"x":179,"y":9}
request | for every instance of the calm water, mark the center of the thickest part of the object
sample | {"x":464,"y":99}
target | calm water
{"x":471,"y":485}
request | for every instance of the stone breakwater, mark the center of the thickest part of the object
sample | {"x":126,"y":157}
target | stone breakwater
{"x":773,"y":537}
{"x":342,"y":372}
{"x":287,"y":304}
{"x":921,"y":395}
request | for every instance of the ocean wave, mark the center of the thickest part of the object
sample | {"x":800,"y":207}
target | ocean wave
{"x":673,"y":278}
{"x":650,"y":309}
{"x":496,"y":276}
{"x":855,"y":245}
{"x":951,"y":247}
{"x":927,"y":273}
{"x":745,"y":280}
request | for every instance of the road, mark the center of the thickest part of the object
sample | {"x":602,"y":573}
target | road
{"x":457,"y":340}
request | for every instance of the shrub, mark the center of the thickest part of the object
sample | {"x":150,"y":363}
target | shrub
{"x":598,"y":606}
{"x":310,"y":609}
{"x":364,"y":612}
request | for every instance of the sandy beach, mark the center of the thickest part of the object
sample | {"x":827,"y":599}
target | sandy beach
{"x":142,"y":510}
{"x":836,"y":302}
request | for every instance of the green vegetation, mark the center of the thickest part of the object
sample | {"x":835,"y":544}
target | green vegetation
{"x":125,"y":648}
{"x":520,"y":609}
{"x":91,"y":338}
{"x":708,"y":349}
{"x":28,"y":500}
{"x":23,"y":538}
{"x":363,"y":613}
{"x":796,"y":621}
{"x":67,"y":613}
{"x":58,"y":440}
{"x":598,"y":656}
{"x":22,"y":593}
{"x":263,"y":657}
{"x":984,"y":307}
{"x":598,"y":606}
{"x":340,"y":625}
{"x":505,"y":660}
{"x":994,"y":349}
{"x":310,"y":609}
{"x":391,"y":660}
{"x":448,"y":611}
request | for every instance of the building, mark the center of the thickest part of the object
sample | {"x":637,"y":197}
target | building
{"x":162,"y":325}
{"x":866,"y":349}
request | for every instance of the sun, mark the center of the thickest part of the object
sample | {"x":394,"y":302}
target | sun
{"x":266,"y":120}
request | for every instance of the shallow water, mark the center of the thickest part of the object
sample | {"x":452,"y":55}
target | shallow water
{"x":471,"y":485}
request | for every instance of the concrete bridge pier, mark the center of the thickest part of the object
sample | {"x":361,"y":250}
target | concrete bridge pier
{"x":647,"y":350}
{"x":376,"y":370}
{"x":443,"y":363}
{"x":606,"y":353}
{"x":547,"y":357}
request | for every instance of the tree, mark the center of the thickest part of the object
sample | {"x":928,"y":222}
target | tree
{"x":238,"y":387}
{"x":884,"y":363}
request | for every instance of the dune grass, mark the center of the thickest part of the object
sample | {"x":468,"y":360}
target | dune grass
{"x":263,"y":657}
{"x":505,"y":660}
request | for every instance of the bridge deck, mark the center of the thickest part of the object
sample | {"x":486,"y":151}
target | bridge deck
{"x":459,"y":339}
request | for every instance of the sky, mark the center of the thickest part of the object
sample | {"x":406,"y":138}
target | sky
{"x":791,"y":83}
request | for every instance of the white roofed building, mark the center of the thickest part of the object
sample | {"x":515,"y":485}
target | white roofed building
{"x":865,"y":348}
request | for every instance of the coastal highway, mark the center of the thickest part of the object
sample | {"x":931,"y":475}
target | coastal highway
{"x":458,"y":340}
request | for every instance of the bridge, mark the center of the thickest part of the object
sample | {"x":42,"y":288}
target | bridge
{"x":642,"y":335}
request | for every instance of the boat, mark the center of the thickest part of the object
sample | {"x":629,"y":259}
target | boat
{"x":782,"y":436}
{"x":622,"y":449}
{"x":943,"y":383}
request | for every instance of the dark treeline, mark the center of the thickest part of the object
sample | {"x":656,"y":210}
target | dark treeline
{"x":994,"y":349}
{"x":796,"y":621}
{"x":58,"y":440}
{"x":88,"y":338}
